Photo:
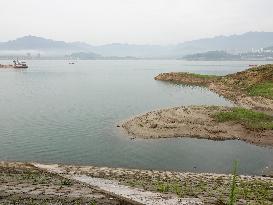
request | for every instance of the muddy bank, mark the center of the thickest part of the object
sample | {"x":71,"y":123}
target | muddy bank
{"x":193,"y":121}
{"x":211,"y":189}
{"x":241,"y":87}
{"x":23,"y":183}
{"x":32,"y":183}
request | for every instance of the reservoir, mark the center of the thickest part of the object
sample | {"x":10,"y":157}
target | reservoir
{"x":55,"y":112}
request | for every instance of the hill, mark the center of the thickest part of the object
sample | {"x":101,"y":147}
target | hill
{"x":33,"y":43}
{"x":211,"y":56}
{"x":244,"y":42}
{"x":234,"y":43}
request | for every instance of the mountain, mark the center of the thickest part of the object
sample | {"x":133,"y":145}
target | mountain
{"x":269,"y":48}
{"x":140,"y":51}
{"x":85,"y":56}
{"x":231,"y":44}
{"x":33,"y":43}
{"x":234,"y":43}
{"x":42,"y":45}
{"x":212,"y":56}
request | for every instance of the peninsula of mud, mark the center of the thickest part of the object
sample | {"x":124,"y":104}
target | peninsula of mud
{"x":251,"y":121}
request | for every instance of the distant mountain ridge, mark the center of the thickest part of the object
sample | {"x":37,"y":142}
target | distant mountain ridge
{"x":234,"y":43}
{"x":211,"y":56}
{"x":269,"y":48}
{"x":34,"y":42}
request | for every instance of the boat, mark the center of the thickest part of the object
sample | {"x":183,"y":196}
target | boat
{"x":252,"y":65}
{"x":18,"y":64}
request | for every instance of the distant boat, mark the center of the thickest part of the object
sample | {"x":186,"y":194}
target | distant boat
{"x":252,"y":65}
{"x":71,"y":63}
{"x":18,"y":64}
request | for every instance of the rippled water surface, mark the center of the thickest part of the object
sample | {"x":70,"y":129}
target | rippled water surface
{"x":56,"y":112}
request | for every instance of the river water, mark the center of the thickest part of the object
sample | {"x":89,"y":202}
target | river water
{"x":59,"y":113}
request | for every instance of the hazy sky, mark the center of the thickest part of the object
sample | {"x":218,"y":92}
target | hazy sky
{"x":132,"y":21}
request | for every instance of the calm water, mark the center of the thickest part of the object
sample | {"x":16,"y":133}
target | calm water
{"x":56,"y":112}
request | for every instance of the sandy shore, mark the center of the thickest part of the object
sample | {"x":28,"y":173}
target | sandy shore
{"x":193,"y":121}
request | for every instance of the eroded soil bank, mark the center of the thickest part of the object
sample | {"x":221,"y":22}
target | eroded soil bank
{"x":194,"y":121}
{"x":252,"y":88}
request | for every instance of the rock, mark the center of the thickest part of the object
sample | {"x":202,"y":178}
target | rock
{"x":154,"y":125}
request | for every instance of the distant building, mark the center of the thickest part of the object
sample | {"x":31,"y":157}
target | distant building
{"x":28,"y":55}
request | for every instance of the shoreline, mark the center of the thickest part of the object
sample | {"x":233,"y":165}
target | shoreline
{"x":111,"y":185}
{"x":233,"y":87}
{"x":251,"y":90}
{"x":193,"y":122}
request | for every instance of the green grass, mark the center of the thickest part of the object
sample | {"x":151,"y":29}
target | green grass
{"x":233,"y":191}
{"x":199,"y":75}
{"x":162,"y":187}
{"x":66,"y":182}
{"x":264,"y":90}
{"x":250,"y":119}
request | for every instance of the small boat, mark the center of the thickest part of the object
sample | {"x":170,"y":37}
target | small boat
{"x":18,"y":64}
{"x":71,"y":63}
{"x":252,"y":65}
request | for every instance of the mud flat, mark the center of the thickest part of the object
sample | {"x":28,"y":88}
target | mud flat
{"x":197,"y":122}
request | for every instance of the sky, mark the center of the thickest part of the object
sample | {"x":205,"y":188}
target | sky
{"x":132,"y":21}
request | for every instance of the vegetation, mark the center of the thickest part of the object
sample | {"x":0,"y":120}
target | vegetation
{"x":249,"y":118}
{"x":19,"y":182}
{"x":66,"y":182}
{"x":212,"y":55}
{"x":232,"y":196}
{"x":212,"y":191}
{"x":255,"y":81}
{"x":263,"y":89}
{"x":195,"y":75}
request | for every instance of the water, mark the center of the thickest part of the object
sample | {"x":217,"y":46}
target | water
{"x":59,"y":113}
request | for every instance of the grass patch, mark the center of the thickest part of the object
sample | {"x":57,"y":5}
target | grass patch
{"x":220,"y":190}
{"x":264,"y":90}
{"x":66,"y":182}
{"x":250,"y":119}
{"x":195,"y":75}
{"x":162,"y":187}
{"x":233,"y":193}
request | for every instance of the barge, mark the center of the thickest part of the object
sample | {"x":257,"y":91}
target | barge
{"x":16,"y":64}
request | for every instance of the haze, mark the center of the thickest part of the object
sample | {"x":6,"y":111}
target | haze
{"x":132,"y":21}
